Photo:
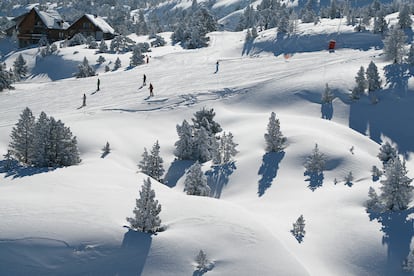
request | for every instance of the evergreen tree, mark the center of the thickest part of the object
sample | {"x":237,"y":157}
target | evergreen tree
{"x":410,"y":58}
{"x":22,"y":136}
{"x":100,"y":60}
{"x":348,"y":179}
{"x":137,"y":57}
{"x":20,"y":67}
{"x":394,"y":44}
{"x":361,"y":84}
{"x":376,"y":173}
{"x":6,"y":78}
{"x":225,"y":150}
{"x":117,"y":64}
{"x":184,"y":145}
{"x":202,"y":263}
{"x":298,"y":230}
{"x":396,"y":189}
{"x":404,"y":17}
{"x":156,"y":163}
{"x":327,"y":96}
{"x":315,"y":163}
{"x":85,"y":70}
{"x":195,"y":181}
{"x":203,"y":145}
{"x":373,"y":203}
{"x":106,"y":149}
{"x":103,"y":48}
{"x":41,"y":143}
{"x":387,"y":153}
{"x":146,"y":212}
{"x":380,"y":24}
{"x":373,"y":78}
{"x":141,"y":28}
{"x":209,"y":124}
{"x":275,"y":141}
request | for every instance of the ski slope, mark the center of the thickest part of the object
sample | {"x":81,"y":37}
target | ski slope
{"x":69,"y":221}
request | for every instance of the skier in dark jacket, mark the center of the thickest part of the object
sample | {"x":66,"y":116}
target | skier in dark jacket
{"x":144,"y":81}
{"x":151,"y":88}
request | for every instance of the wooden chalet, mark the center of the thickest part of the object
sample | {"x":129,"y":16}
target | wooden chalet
{"x":35,"y":25}
{"x":91,"y":25}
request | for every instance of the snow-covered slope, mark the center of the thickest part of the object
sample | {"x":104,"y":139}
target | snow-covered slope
{"x":69,"y":221}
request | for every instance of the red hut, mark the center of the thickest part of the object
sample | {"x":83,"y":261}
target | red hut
{"x":331,"y":46}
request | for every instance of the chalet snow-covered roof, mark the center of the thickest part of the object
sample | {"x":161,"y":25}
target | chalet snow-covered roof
{"x":100,"y":23}
{"x":52,"y":19}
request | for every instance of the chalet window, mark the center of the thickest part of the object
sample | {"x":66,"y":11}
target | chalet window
{"x":86,"y":25}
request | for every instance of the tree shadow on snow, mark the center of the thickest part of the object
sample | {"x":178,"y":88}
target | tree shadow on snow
{"x":315,"y":180}
{"x":398,"y":231}
{"x":392,"y":115}
{"x":15,"y":170}
{"x":44,"y":64}
{"x":268,"y":170}
{"x":327,"y":111}
{"x":176,"y":171}
{"x":218,"y":178}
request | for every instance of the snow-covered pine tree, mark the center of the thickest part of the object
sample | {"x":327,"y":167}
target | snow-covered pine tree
{"x":348,"y":179}
{"x":380,"y":24}
{"x":198,"y":120}
{"x":404,"y":17}
{"x":298,"y":230}
{"x":373,"y":203}
{"x":22,"y":136}
{"x":146,"y":212}
{"x":394,"y":44}
{"x":327,"y":96}
{"x":361,"y":84}
{"x":195,"y":181}
{"x":145,"y":164}
{"x":275,"y":141}
{"x":410,"y":58}
{"x":106,"y":149}
{"x":156,"y":163}
{"x":20,"y":67}
{"x":141,"y":27}
{"x":203,"y":144}
{"x":100,"y":60}
{"x":6,"y":78}
{"x":8,"y":161}
{"x":202,"y":263}
{"x":376,"y":173}
{"x":225,"y":150}
{"x":103,"y":48}
{"x":137,"y":57}
{"x":184,"y":145}
{"x":373,"y":78}
{"x":387,"y":152}
{"x":315,"y":163}
{"x":396,"y":189}
{"x":117,"y":64}
{"x":41,"y":144}
{"x":91,"y":42}
{"x":85,"y":70}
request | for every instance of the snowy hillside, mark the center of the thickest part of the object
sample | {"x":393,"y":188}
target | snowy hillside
{"x":70,"y":221}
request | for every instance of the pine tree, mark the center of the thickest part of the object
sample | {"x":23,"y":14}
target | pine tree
{"x":22,"y":136}
{"x":373,"y":202}
{"x":100,"y":60}
{"x":315,"y":163}
{"x":373,"y":78}
{"x":387,"y":152}
{"x":6,"y":78}
{"x":106,"y":149}
{"x":103,"y":48}
{"x":394,"y":44}
{"x":298,"y":230}
{"x":380,"y":24}
{"x":195,"y":182}
{"x":85,"y":70}
{"x":141,"y":28}
{"x":361,"y":84}
{"x":117,"y":64}
{"x":184,"y":145}
{"x":348,"y":179}
{"x":20,"y":67}
{"x":327,"y":96}
{"x":156,"y":163}
{"x":41,"y":143}
{"x":202,"y":263}
{"x":203,"y":145}
{"x":137,"y":57}
{"x":396,"y":189}
{"x":225,"y":150}
{"x":145,"y":163}
{"x":146,"y":212}
{"x":205,"y":118}
{"x":275,"y":141}
{"x":404,"y":17}
{"x":376,"y":173}
{"x":410,"y":58}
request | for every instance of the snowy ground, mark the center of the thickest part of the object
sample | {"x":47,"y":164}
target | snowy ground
{"x":69,"y":221}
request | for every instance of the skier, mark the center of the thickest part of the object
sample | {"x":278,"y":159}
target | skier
{"x":97,"y":84}
{"x":151,"y":88}
{"x":147,"y":58}
{"x":84,"y":100}
{"x":145,"y":81}
{"x":217,"y":66}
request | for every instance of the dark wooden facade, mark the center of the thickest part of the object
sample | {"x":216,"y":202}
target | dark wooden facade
{"x":87,"y":27}
{"x":32,"y":28}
